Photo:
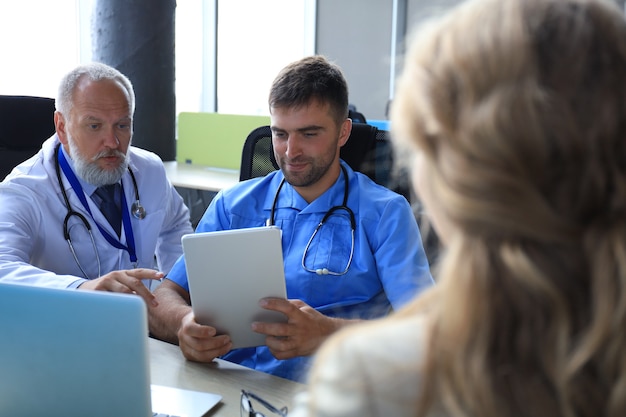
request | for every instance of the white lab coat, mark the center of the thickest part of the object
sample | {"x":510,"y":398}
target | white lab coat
{"x":33,"y":249}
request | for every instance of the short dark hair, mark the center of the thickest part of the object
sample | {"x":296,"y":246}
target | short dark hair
{"x":311,"y":78}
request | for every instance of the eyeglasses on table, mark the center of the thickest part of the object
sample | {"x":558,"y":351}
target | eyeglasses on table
{"x":247,"y":410}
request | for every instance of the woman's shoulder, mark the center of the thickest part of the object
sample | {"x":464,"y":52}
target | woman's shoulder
{"x":370,"y":368}
{"x":393,"y":336}
{"x":381,"y":351}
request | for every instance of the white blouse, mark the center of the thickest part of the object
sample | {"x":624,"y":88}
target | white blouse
{"x":370,"y":369}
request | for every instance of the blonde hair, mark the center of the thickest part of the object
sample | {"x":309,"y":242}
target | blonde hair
{"x":518,"y":108}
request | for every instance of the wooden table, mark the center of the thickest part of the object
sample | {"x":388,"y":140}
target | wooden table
{"x":169,"y":367}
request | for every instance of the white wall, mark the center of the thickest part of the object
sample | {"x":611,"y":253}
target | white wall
{"x":357,"y":35}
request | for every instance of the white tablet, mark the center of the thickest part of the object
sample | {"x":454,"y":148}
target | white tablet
{"x":228,"y":272}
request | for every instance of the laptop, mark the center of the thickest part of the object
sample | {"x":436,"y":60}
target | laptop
{"x":228,"y":272}
{"x":81,"y":353}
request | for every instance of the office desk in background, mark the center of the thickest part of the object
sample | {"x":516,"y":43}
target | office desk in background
{"x":197,"y":184}
{"x":168,"y":367}
{"x":199,"y":177}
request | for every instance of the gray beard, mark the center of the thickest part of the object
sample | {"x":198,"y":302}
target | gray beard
{"x":89,"y":170}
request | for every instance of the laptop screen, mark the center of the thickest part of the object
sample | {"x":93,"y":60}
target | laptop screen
{"x":70,"y":352}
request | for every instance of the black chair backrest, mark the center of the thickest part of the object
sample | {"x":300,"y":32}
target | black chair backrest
{"x":25,"y":123}
{"x":357,"y":117}
{"x":368,"y":150}
{"x":257,"y":156}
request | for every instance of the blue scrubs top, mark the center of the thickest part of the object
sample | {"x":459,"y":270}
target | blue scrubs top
{"x":388,"y":268}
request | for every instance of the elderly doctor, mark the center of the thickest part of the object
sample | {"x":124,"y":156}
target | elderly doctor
{"x":53,"y":227}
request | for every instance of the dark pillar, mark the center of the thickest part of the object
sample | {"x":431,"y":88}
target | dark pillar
{"x":137,"y":38}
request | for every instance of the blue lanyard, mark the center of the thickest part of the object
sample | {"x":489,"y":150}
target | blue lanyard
{"x":128,"y":228}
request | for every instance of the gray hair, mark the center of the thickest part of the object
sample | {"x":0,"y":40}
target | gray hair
{"x":94,"y":71}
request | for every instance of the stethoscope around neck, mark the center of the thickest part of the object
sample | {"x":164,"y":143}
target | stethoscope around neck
{"x":137,"y":210}
{"x":343,"y":206}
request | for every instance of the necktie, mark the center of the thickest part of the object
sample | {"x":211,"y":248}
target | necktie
{"x":111,"y":210}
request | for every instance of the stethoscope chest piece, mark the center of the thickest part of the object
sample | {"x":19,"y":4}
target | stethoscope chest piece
{"x":137,"y":210}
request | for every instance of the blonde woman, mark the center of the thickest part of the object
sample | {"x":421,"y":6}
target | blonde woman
{"x":514,"y":116}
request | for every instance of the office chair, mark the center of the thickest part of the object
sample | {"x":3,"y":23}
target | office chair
{"x":368,"y":150}
{"x":356,"y":116}
{"x":25,"y":123}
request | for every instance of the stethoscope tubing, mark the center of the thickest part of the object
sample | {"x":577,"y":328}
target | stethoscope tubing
{"x":137,"y":210}
{"x":343,"y":206}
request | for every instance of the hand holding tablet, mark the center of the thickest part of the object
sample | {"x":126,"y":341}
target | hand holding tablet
{"x":229,"y":271}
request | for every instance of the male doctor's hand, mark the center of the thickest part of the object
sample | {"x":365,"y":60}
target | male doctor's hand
{"x":201,"y":343}
{"x":125,"y":281}
{"x":305,"y":330}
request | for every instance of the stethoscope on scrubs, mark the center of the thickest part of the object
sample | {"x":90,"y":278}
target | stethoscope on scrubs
{"x":137,"y":210}
{"x":343,"y":206}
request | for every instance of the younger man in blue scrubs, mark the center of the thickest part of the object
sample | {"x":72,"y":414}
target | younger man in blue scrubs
{"x":336,"y":284}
